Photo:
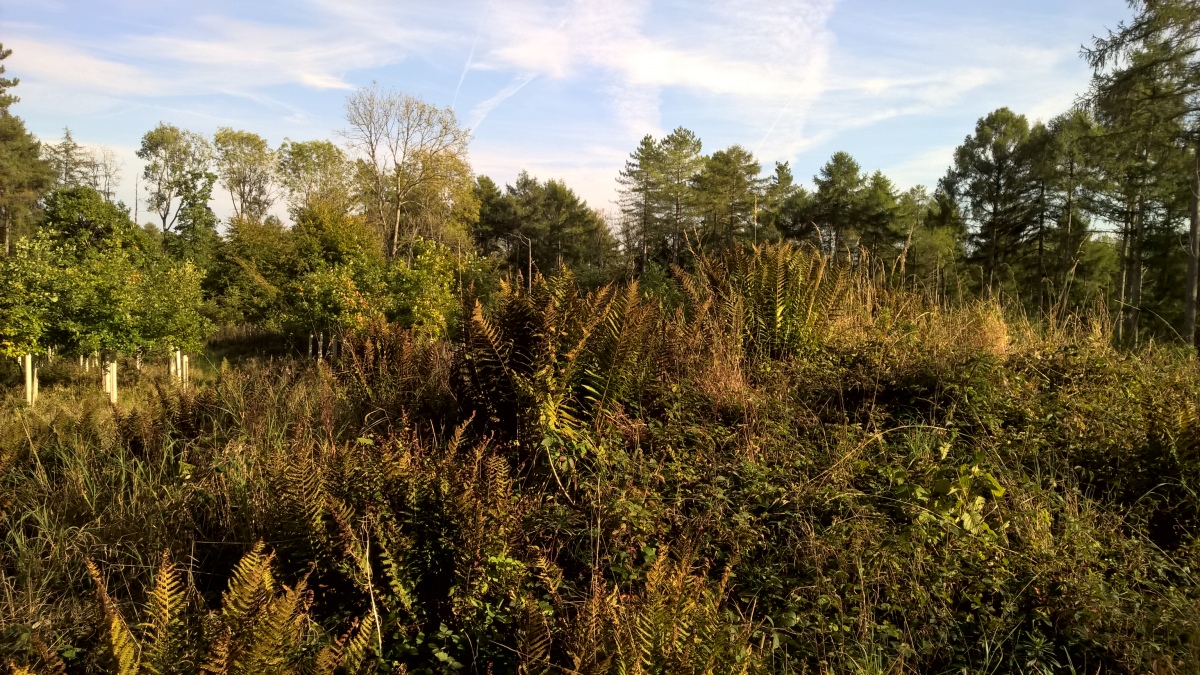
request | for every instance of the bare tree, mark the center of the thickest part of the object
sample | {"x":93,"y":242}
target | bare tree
{"x":104,"y":171}
{"x":403,"y":143}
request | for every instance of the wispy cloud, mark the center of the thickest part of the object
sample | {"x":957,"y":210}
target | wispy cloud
{"x":767,"y":51}
{"x":481,"y":110}
{"x":562,"y":87}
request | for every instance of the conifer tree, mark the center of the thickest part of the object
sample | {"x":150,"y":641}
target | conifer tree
{"x":992,"y":179}
{"x":24,"y":175}
{"x":1153,"y":62}
{"x":681,"y":164}
{"x":728,"y":189}
{"x":837,"y":205}
{"x":640,"y":184}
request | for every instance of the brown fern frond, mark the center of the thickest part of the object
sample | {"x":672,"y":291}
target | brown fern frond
{"x":217,"y":662}
{"x":125,"y":648}
{"x":52,"y":663}
{"x":533,"y":641}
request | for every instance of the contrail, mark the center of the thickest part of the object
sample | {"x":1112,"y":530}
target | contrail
{"x":471,"y":54}
{"x":778,"y":117}
{"x":481,"y":111}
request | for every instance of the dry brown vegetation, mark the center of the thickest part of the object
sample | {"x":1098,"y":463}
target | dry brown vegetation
{"x":778,"y":464}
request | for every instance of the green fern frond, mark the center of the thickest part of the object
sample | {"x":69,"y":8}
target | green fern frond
{"x":360,"y":645}
{"x":166,"y":601}
{"x":250,"y":584}
{"x":273,"y":638}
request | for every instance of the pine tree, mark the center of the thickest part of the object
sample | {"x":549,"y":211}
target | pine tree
{"x":837,"y":205}
{"x":728,"y":189}
{"x":879,"y":233}
{"x":681,"y":163}
{"x":6,"y":83}
{"x":641,"y":183}
{"x":24,"y":175}
{"x":992,"y":179}
{"x":784,"y":208}
{"x":1152,"y":62}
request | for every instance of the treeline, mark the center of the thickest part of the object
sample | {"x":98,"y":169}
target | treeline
{"x":1092,"y":208}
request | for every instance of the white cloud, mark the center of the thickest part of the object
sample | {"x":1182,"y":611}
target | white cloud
{"x":220,"y":54}
{"x":919,"y":169}
{"x":765,"y":72}
{"x":766,"y":53}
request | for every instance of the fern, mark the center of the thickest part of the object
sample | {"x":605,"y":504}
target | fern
{"x":218,"y":660}
{"x":125,"y":649}
{"x":166,"y":602}
{"x":272,"y":640}
{"x":359,"y":645}
{"x":249,"y":586}
{"x":533,"y":644}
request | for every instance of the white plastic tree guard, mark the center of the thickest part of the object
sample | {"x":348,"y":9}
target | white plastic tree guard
{"x":178,"y":367}
{"x":31,"y":379}
{"x":110,"y":380}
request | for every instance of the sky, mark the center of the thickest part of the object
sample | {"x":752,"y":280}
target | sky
{"x":562,"y":89}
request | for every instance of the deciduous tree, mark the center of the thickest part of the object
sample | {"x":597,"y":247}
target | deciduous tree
{"x":246,"y":169}
{"x":406,"y":146}
{"x":177,"y":171}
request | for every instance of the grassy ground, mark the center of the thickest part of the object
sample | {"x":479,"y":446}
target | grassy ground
{"x":778,"y":466}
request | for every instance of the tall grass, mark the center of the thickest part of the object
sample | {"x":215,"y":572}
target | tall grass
{"x":782,"y":465}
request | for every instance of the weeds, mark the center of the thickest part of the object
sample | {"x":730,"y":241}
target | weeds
{"x":785,"y":468}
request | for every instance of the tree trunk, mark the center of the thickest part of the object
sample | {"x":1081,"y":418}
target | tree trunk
{"x":395,"y":235}
{"x":1123,"y":293}
{"x":1042,"y":253}
{"x":645,"y":233}
{"x":678,"y":234}
{"x":1135,"y":279}
{"x":1193,"y":269}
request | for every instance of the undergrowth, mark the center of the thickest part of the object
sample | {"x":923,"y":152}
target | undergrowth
{"x":782,"y":465}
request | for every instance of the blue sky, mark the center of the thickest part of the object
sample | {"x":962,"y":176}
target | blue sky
{"x":563,"y":89}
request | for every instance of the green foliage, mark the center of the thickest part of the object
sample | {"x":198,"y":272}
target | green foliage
{"x":246,"y":167}
{"x":796,"y":468}
{"x":727,"y":187}
{"x":422,"y":293}
{"x":29,"y":274}
{"x":6,"y":83}
{"x":314,"y":173}
{"x":90,"y":281}
{"x":544,"y":226}
{"x":24,"y":174}
{"x":176,"y":175}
